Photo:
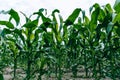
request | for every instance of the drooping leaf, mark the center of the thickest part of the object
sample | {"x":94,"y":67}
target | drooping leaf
{"x":117,"y":6}
{"x":96,"y":5}
{"x":56,"y":10}
{"x":46,"y":21}
{"x":61,"y":23}
{"x":55,"y":23}
{"x":13,"y":14}
{"x":94,"y":16}
{"x":117,"y":18}
{"x":90,"y":9}
{"x":40,"y":14}
{"x":31,"y":24}
{"x":3,"y":12}
{"x":27,"y":18}
{"x":7,"y":24}
{"x":6,"y":31}
{"x":94,"y":19}
{"x":83,"y":14}
{"x":71,"y":19}
{"x":108,"y":8}
{"x":53,"y":15}
{"x":41,"y":10}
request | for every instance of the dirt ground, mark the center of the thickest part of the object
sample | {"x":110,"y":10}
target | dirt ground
{"x":67,"y":76}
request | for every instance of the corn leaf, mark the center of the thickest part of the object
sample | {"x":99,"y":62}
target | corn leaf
{"x":1,"y":77}
{"x":15,"y":16}
{"x":7,"y":24}
{"x":71,"y":19}
{"x":117,"y":6}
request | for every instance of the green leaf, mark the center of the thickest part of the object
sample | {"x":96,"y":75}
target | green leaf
{"x":80,"y":20}
{"x":5,"y":31}
{"x":117,"y":18}
{"x":86,"y":22}
{"x":118,"y":31}
{"x":101,"y":15}
{"x":55,"y":23}
{"x":90,"y":9}
{"x":31,"y":24}
{"x":83,"y":14}
{"x":40,"y":14}
{"x":53,"y":14}
{"x":19,"y":33}
{"x":46,"y":21}
{"x":1,"y":77}
{"x":61,"y":23}
{"x":94,"y":16}
{"x":96,"y":5}
{"x":116,"y":41}
{"x":98,"y":32}
{"x":107,"y":20}
{"x":94,"y":19}
{"x":7,"y":24}
{"x":15,"y":16}
{"x":108,"y":8}
{"x":71,"y":19}
{"x":117,"y":6}
{"x":56,"y":10}
{"x":109,"y":27}
{"x":32,"y":36}
{"x":27,"y":18}
{"x":37,"y":35}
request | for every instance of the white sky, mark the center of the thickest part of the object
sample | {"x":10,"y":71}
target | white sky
{"x":65,"y":6}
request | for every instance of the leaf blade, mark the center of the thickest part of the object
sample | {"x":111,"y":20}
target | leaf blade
{"x":71,"y":19}
{"x":7,"y":24}
{"x":15,"y":16}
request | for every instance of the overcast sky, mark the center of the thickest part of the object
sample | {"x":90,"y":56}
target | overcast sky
{"x":65,"y":6}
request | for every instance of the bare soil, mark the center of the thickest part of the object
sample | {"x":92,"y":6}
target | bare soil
{"x":67,"y":76}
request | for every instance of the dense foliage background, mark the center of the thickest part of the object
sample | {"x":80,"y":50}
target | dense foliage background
{"x":51,"y":46}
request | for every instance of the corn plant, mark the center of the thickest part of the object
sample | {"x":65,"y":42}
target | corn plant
{"x":51,"y":46}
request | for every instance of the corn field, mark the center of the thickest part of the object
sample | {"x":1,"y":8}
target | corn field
{"x":49,"y":46}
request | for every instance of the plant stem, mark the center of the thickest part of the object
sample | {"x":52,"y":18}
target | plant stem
{"x":15,"y":66}
{"x":28,"y":69}
{"x":86,"y":69}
